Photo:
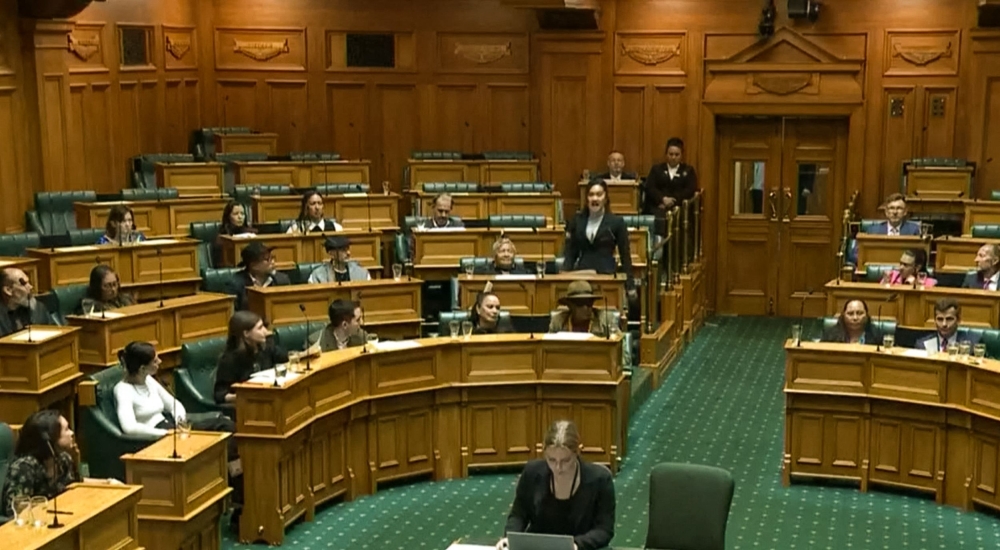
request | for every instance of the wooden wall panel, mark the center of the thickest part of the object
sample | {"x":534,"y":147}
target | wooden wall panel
{"x":288,"y":113}
{"x":508,"y":111}
{"x":629,"y":121}
{"x":237,"y":103}
{"x":938,"y":112}
{"x":347,"y":113}
{"x":454,"y":125}
{"x":898,"y":120}
{"x":398,"y":107}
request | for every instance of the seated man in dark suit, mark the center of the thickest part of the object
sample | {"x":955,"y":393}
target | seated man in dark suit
{"x":616,"y":169}
{"x":441,"y":217}
{"x":18,"y":306}
{"x":258,"y":270}
{"x":895,"y":223}
{"x":947,"y":317}
{"x":987,"y":269}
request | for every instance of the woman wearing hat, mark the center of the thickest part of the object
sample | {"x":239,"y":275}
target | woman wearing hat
{"x":258,"y":270}
{"x":312,"y":217}
{"x":579,"y":314}
{"x":341,"y":268}
{"x":594,"y":234}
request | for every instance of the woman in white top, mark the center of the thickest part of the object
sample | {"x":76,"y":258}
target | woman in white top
{"x":312,"y":217}
{"x":144,"y":406}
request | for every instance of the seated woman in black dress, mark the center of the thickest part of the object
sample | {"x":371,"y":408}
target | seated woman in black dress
{"x":503,"y":260}
{"x":104,"y":292}
{"x":234,"y":222}
{"x":593,"y":235}
{"x":249,"y":349}
{"x":563,"y":494}
{"x":853,"y":326}
{"x":485,"y":315}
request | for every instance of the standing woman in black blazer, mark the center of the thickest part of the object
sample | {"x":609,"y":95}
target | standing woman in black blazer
{"x":563,"y":494}
{"x":668,"y":184}
{"x":594,"y":233}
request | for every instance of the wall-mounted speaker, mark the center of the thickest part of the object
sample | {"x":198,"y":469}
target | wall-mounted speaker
{"x":51,"y":9}
{"x":804,"y":9}
{"x":989,"y":14}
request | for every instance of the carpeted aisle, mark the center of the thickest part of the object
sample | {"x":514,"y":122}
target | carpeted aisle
{"x":720,"y":405}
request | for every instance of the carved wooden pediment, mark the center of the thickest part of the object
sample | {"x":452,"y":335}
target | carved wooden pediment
{"x":787,"y":46}
{"x":178,"y":46}
{"x":651,"y":54}
{"x":260,"y":50}
{"x":921,"y":56}
{"x":84,"y":47}
{"x":483,"y":53}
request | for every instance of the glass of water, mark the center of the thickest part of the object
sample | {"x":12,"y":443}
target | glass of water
{"x":540,"y":268}
{"x":39,"y":509}
{"x":469,"y":268}
{"x":796,"y":334}
{"x":466,"y":329}
{"x":888,"y":341}
{"x":980,"y":351}
{"x":453,"y":328}
{"x":964,"y":348}
{"x":184,"y":428}
{"x":397,"y":272}
{"x":952,"y":351}
{"x":372,"y":340}
{"x":21,"y":507}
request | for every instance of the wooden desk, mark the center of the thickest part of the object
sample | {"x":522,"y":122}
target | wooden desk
{"x":137,"y":265}
{"x":101,"y":516}
{"x":439,"y":408}
{"x":939,"y":181}
{"x":883,"y":249}
{"x":624,"y":196}
{"x":472,"y":171}
{"x":478,"y":206}
{"x":958,"y":254}
{"x":192,"y":178}
{"x":302,"y":174}
{"x":39,"y":373}
{"x":297,"y":248}
{"x":950,"y":206}
{"x":350,"y":210}
{"x":183,"y":498}
{"x":980,"y":213}
{"x":257,"y":142}
{"x":436,"y":253}
{"x":28,"y":265}
{"x":179,"y":321}
{"x":155,"y":218}
{"x":516,"y":294}
{"x":391,"y":308}
{"x":925,"y":423}
{"x":914,"y":307}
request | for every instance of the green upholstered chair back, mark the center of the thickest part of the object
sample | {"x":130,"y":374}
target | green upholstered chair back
{"x":884,"y":326}
{"x":144,"y":168}
{"x":698,"y":520}
{"x":53,"y":214}
{"x":445,"y":317}
{"x":508,"y":155}
{"x":525,"y":187}
{"x":106,"y":381}
{"x":995,"y":195}
{"x":6,"y":456}
{"x":517,"y":220}
{"x":144,"y":194}
{"x":203,"y":139}
{"x":986,"y":231}
{"x":195,"y":380}
{"x":205,"y":232}
{"x":14,"y":244}
{"x":313,"y":156}
{"x":438,"y":187}
{"x":243,"y":193}
{"x":50,"y":302}
{"x":436,"y":155}
{"x":219,"y":279}
{"x":875,"y":272}
{"x":340,"y":188}
{"x":409,"y":222}
{"x":483,"y":261}
{"x":239,"y":157}
{"x":293,"y":337}
{"x":300,"y":275}
{"x":68,"y":298}
{"x":643,"y":221}
{"x":83,"y":237}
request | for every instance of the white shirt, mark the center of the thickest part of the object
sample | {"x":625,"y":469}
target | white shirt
{"x":893,"y":231}
{"x":672,"y":172}
{"x":613,"y":178}
{"x":991,"y":283}
{"x":312,"y":226}
{"x":931,"y":344}
{"x":140,"y":408}
{"x":593,"y":223}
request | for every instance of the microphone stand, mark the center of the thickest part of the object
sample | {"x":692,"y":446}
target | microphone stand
{"x":531,"y":324}
{"x":30,"y":340}
{"x":368,"y":199}
{"x":302,"y":308}
{"x":607,"y":333}
{"x":159,"y":258}
{"x":802,"y":318}
{"x":56,"y":524}
{"x":175,"y":455}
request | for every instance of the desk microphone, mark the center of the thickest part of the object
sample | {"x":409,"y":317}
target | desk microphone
{"x":56,"y":524}
{"x":175,"y":455}
{"x":302,"y":308}
{"x":30,"y":340}
{"x":368,"y":199}
{"x":802,"y":317}
{"x":531,"y":314}
{"x":607,"y":332}
{"x":878,"y":319}
{"x":159,"y":259}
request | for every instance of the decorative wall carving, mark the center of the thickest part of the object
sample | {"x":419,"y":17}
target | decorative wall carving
{"x":910,"y":53}
{"x":651,"y":53}
{"x":270,"y":49}
{"x":84,"y":47}
{"x":261,"y":51}
{"x":178,"y":47}
{"x":482,"y":53}
{"x":181,"y":47}
{"x":782,"y":83}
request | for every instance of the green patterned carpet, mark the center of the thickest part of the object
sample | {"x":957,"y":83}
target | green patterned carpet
{"x":720,"y":405}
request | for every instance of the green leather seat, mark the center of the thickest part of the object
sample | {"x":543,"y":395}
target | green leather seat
{"x":875,"y":272}
{"x":313,"y":156}
{"x":525,"y":187}
{"x":300,"y":275}
{"x":99,"y":427}
{"x":157,"y":194}
{"x":144,"y":167}
{"x":696,"y":522}
{"x":14,"y":244}
{"x":205,"y":232}
{"x":54,"y":214}
{"x":340,"y":188}
{"x":517,"y":220}
{"x":84,"y":237}
{"x":508,"y":155}
{"x":51,"y":303}
{"x":995,"y":195}
{"x":446,"y":317}
{"x":219,"y":280}
{"x":647,"y":222}
{"x":195,"y":379}
{"x":293,"y":337}
{"x":68,"y":299}
{"x":6,"y":457}
{"x":883,"y":326}
{"x":436,"y":155}
{"x":455,"y":187}
{"x":986,"y":231}
{"x":988,"y":336}
{"x":483,"y":262}
{"x":866,"y":226}
{"x":203,"y":139}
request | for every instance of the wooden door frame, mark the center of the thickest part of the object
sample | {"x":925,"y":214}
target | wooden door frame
{"x":710,"y":173}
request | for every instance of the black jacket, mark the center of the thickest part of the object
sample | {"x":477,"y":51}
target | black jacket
{"x":836,"y":334}
{"x":592,"y":509}
{"x":491,"y":269}
{"x":237,"y":366}
{"x":503,"y":326}
{"x":627,"y":176}
{"x":974,"y":280}
{"x":659,"y":185}
{"x":18,"y":319}
{"x":241,"y":281}
{"x":599,"y":255}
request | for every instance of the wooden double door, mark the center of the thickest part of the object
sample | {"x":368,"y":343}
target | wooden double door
{"x":781,"y":198}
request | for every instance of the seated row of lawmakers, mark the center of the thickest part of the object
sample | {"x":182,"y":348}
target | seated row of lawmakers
{"x":912,"y":269}
{"x":855,"y":326}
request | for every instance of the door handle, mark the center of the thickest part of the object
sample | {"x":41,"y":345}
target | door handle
{"x":788,"y":203}
{"x":772,"y":198}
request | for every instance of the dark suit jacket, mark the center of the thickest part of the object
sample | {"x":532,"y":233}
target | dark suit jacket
{"x":491,"y":269}
{"x":907,"y":228}
{"x":973,"y":280}
{"x":592,"y":512}
{"x":598,"y":255}
{"x":659,"y":185}
{"x":962,"y":336}
{"x":242,"y":280}
{"x":503,"y":326}
{"x":625,"y":176}
{"x":237,"y":366}
{"x":13,"y":321}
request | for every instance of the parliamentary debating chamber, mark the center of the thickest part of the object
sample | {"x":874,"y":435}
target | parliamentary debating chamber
{"x":334,"y":274}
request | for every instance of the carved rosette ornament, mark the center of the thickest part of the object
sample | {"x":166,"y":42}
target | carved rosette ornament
{"x":651,"y":54}
{"x":178,"y":46}
{"x":260,"y":51}
{"x":921,"y":56}
{"x":84,"y":47}
{"x":483,"y":54}
{"x":780,"y":83}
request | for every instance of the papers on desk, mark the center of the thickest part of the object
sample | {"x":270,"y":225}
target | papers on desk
{"x":439,"y":229}
{"x":78,"y":248}
{"x":244,"y":236}
{"x":37,"y":335}
{"x":515,"y":277}
{"x":105,"y":315}
{"x":569,"y":336}
{"x":267,"y":377}
{"x":460,"y":546}
{"x":915,"y":353}
{"x":354,"y":195}
{"x":159,"y":241}
{"x":393,"y":345}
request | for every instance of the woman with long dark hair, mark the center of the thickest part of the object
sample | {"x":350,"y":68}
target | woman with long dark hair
{"x":234,"y":222}
{"x":120,"y":227}
{"x":485,"y":315}
{"x":249,"y":349}
{"x":104,"y":292}
{"x":854,"y":326}
{"x":593,"y":235}
{"x":312,"y":217}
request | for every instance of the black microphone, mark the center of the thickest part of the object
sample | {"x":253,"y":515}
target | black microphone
{"x":302,"y":308}
{"x":56,"y":524}
{"x":531,"y":314}
{"x":175,"y":455}
{"x":604,"y":298}
{"x":802,"y":317}
{"x":159,"y":259}
{"x":368,"y":199}
{"x":878,"y":319}
{"x":30,"y":340}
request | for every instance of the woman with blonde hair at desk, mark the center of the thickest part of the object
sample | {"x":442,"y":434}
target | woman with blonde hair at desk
{"x":564,"y":494}
{"x":503,"y":262}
